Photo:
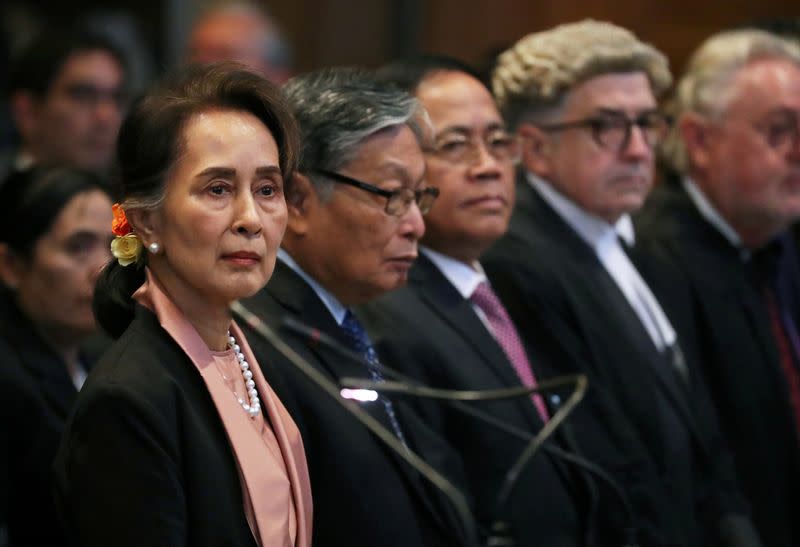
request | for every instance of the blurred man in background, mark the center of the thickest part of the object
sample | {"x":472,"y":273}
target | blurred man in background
{"x":67,"y":97}
{"x":243,"y":32}
{"x":725,"y":222}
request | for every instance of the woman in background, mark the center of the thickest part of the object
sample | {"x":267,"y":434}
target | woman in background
{"x":176,"y":438}
{"x":54,"y":236}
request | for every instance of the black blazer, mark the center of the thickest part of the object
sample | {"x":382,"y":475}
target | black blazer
{"x":363,"y":493}
{"x":738,"y":356}
{"x":157,"y":469}
{"x":431,"y":333}
{"x":552,"y":282}
{"x":37,"y":395}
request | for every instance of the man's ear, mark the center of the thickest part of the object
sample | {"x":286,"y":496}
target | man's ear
{"x":695,"y":133}
{"x":535,"y":148}
{"x":146,"y":224}
{"x":12,"y":267}
{"x":24,"y":110}
{"x":301,"y":200}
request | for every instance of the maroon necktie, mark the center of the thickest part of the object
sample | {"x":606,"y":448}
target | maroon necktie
{"x":506,"y":335}
{"x":784,"y":354}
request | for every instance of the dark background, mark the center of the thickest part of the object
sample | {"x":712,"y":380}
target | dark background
{"x":370,"y":32}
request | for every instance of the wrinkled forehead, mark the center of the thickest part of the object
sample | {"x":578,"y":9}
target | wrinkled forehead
{"x":628,"y":92}
{"x":762,"y":86}
{"x":458,"y":100}
{"x":393,"y":152}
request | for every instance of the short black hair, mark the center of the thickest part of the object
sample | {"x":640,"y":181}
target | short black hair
{"x":38,"y":65}
{"x":31,"y":200}
{"x":408,"y":73}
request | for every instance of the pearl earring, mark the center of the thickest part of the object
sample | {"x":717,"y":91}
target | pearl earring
{"x":154,"y":248}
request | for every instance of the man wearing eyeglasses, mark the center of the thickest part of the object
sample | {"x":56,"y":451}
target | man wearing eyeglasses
{"x":582,"y":98}
{"x":726,"y":224}
{"x":449,"y":330}
{"x":355,"y":218}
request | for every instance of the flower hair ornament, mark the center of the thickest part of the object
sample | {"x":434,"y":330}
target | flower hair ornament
{"x":126,"y":246}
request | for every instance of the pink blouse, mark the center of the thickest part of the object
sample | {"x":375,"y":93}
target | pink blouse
{"x":268,"y":448}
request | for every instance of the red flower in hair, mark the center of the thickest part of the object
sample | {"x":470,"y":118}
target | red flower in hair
{"x":120,"y":226}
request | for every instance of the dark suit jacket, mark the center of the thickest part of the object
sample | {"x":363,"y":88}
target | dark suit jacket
{"x":552,"y":282}
{"x":430,"y":332}
{"x":738,"y":356}
{"x":157,"y":468}
{"x":37,"y":395}
{"x":363,"y":493}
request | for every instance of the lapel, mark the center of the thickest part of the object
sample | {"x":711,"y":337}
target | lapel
{"x":301,"y":302}
{"x":604,"y":300}
{"x":717,"y":271}
{"x":46,"y":369}
{"x":446,"y":302}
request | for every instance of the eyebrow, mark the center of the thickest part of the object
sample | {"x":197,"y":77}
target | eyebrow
{"x":399,"y":170}
{"x":229,"y":172}
{"x":463,"y":129}
{"x":781,"y":111}
{"x":83,"y":233}
{"x":617,"y":112}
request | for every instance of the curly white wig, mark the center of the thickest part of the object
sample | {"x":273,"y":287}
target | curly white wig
{"x":538,"y":71}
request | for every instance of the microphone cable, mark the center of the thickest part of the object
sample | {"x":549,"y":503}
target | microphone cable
{"x":456,"y":497}
{"x":410,"y":387}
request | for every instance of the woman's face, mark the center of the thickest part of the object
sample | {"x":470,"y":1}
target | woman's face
{"x":54,"y":286}
{"x":224,"y":211}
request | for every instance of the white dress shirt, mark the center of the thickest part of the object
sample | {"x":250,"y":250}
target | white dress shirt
{"x":464,"y":277}
{"x":602,"y":237}
{"x":710,"y":213}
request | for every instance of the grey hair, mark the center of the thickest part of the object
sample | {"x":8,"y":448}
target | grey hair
{"x":533,"y":77}
{"x":338,"y":108}
{"x":706,"y":87}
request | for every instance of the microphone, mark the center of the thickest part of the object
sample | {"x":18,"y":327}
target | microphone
{"x":455,"y":398}
{"x":456,"y":497}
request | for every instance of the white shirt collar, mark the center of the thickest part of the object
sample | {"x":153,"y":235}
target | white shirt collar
{"x":602,"y":238}
{"x":592,"y":229}
{"x":464,"y":277}
{"x":710,"y":213}
{"x":331,"y":302}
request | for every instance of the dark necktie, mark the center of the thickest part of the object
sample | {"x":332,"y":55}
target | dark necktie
{"x":784,"y":353}
{"x":361,"y":343}
{"x":765,"y":269}
{"x":506,"y":335}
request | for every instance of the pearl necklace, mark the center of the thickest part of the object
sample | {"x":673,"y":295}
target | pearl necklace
{"x":254,"y":406}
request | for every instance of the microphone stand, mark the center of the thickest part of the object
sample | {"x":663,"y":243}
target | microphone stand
{"x":499,"y":528}
{"x":437,"y":479}
{"x":456,"y":398}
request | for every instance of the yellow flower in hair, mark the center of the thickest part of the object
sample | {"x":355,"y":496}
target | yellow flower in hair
{"x":126,"y":249}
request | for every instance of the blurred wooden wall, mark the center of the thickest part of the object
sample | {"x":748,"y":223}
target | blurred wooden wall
{"x":370,"y":32}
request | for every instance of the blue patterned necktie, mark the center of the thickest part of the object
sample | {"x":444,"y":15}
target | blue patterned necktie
{"x":361,"y":343}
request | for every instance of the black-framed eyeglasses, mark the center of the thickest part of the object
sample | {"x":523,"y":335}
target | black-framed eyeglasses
{"x":397,"y":201}
{"x":458,"y":147}
{"x":613,"y":131}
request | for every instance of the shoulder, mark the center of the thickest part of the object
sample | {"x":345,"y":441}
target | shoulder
{"x":664,"y":215}
{"x":144,"y":365}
